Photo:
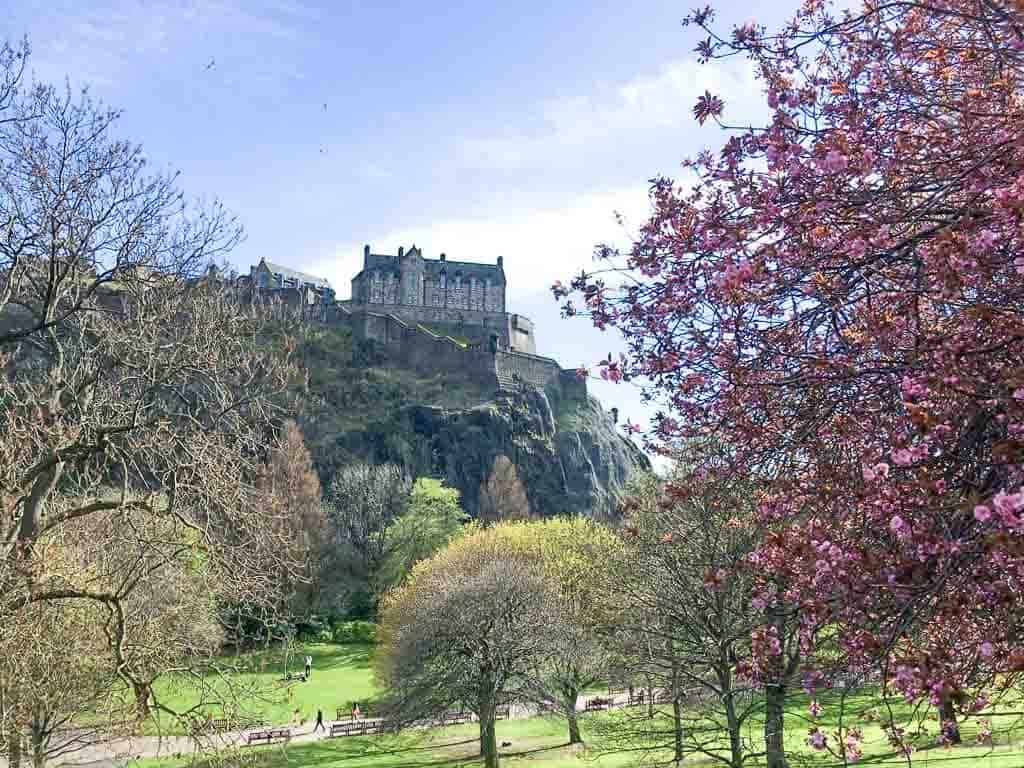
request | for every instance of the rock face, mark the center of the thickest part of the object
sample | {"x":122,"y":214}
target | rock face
{"x":568,"y":455}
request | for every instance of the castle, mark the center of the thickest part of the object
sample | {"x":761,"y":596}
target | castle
{"x":432,"y":315}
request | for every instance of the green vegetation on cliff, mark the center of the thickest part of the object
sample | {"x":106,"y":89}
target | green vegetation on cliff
{"x":354,"y":406}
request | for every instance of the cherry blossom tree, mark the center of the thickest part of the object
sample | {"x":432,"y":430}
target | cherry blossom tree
{"x":837,"y":296}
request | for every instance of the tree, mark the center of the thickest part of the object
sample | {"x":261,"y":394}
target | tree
{"x":468,"y":625}
{"x":291,"y":484}
{"x":682,"y":602}
{"x":56,"y":678}
{"x":432,"y":520}
{"x":364,"y":500}
{"x":837,"y":299}
{"x":136,"y":395}
{"x":502,"y":495}
{"x":572,"y":552}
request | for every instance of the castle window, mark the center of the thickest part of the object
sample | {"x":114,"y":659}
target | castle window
{"x":458,"y":281}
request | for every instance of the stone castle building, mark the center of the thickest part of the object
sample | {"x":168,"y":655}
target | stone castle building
{"x":430,"y":315}
{"x":464,"y":298}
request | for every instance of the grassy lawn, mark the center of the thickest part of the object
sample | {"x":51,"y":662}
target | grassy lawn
{"x":542,"y":743}
{"x":341,"y":674}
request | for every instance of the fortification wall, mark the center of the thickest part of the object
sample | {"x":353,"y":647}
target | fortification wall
{"x":425,"y":352}
{"x":420,"y":350}
{"x":491,"y":322}
{"x":533,"y":369}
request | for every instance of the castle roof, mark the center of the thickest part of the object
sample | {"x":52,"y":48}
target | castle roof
{"x":300,"y":277}
{"x":384,"y":262}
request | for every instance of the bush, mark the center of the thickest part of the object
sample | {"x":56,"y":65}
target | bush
{"x":354,"y":632}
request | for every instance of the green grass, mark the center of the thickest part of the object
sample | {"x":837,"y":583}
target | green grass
{"x":341,"y":674}
{"x":542,"y":743}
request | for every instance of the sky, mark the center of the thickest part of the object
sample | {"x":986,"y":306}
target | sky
{"x":477,"y":129}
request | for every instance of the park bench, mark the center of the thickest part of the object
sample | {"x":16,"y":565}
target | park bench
{"x":355,"y":728}
{"x":345,"y":713}
{"x":455,"y":717}
{"x":502,"y":712}
{"x":598,"y":703}
{"x":268,"y":735}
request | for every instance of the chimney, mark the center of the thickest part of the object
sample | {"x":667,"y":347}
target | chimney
{"x":366,"y":251}
{"x":501,"y":261}
{"x":401,"y":251}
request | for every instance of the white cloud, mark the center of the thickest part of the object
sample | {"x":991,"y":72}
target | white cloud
{"x":615,"y":115}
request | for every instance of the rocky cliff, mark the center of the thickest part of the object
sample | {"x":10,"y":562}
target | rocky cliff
{"x":566,"y":450}
{"x":568,"y":456}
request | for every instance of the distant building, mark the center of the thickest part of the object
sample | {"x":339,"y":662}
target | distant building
{"x":460,"y":298}
{"x":411,"y":280}
{"x":269,"y":277}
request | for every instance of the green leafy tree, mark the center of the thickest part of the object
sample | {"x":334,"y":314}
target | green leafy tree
{"x":467,"y":627}
{"x":432,"y":519}
{"x":572,"y":552}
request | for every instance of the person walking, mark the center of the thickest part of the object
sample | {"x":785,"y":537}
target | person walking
{"x":355,"y":711}
{"x":319,"y":721}
{"x":309,"y":666}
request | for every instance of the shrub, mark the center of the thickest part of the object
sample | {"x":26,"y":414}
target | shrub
{"x":346,"y":632}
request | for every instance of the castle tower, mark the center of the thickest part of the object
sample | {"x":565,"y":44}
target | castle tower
{"x":410,"y":270}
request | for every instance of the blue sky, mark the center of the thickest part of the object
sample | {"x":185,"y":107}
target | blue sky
{"x":477,"y":129}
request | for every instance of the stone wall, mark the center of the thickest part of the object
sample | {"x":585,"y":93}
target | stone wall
{"x":492,"y":322}
{"x":532,"y":369}
{"x":421,"y":350}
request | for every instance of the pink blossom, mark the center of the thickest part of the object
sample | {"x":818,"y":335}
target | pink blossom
{"x":897,"y":524}
{"x":835,"y":161}
{"x":903,"y":457}
{"x":814,"y":708}
{"x":982,"y":513}
{"x":986,"y":650}
{"x":816,"y":739}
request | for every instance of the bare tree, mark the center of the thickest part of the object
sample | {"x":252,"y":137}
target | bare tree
{"x":364,"y":500}
{"x":681,"y":601}
{"x":502,"y":495}
{"x":468,"y":626}
{"x":136,"y":398}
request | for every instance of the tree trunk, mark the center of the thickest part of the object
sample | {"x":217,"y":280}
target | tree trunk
{"x":39,"y":739}
{"x":488,"y":740}
{"x":13,"y":746}
{"x":570,"y":697}
{"x":574,"y":727}
{"x":731,"y":721}
{"x":677,"y":721}
{"x":775,"y":749}
{"x":947,"y":720}
{"x":677,"y":708}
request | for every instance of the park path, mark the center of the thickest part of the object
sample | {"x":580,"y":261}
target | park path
{"x":116,"y":753}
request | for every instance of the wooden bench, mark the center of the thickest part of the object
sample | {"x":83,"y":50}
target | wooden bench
{"x":268,"y":735}
{"x":455,"y":717}
{"x":345,"y":713}
{"x":502,"y":712}
{"x":597,"y":703}
{"x":355,"y":728}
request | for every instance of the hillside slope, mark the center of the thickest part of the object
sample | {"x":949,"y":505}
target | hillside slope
{"x":353,"y":406}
